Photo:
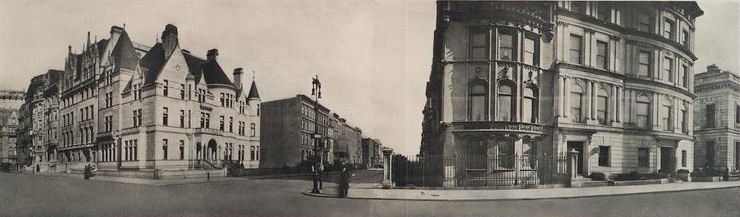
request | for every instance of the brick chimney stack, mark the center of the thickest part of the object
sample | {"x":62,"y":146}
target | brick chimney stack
{"x":212,"y":54}
{"x":169,"y":39}
{"x":238,"y":78}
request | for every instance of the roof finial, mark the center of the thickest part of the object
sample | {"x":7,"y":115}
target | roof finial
{"x":156,"y":39}
{"x":252,"y":75}
{"x":124,"y":25}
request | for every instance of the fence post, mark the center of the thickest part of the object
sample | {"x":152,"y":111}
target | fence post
{"x":387,"y":170}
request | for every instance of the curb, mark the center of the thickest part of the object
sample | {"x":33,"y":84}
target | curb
{"x":145,"y":182}
{"x":526,"y":198}
{"x":308,"y":193}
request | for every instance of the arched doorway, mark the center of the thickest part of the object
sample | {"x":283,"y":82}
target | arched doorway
{"x":212,"y":147}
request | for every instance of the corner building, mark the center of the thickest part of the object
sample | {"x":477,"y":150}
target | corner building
{"x":610,"y":80}
{"x":128,"y":106}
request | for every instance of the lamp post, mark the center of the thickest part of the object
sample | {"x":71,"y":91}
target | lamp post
{"x":316,"y":92}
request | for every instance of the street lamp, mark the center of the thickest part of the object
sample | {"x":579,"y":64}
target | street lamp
{"x":316,"y":92}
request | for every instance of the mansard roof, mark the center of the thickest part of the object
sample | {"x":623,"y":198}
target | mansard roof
{"x":193,"y":65}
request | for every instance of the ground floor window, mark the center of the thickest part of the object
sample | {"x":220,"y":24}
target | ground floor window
{"x":683,"y":158}
{"x":643,"y":157}
{"x":604,"y":154}
{"x":477,"y":154}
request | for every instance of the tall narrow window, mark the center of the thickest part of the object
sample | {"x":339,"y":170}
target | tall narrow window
{"x":479,"y":45}
{"x":252,"y":130}
{"x":164,"y":149}
{"x":669,"y":30}
{"x":709,"y":111}
{"x":505,"y":102}
{"x":576,"y":44}
{"x":602,"y":60}
{"x":686,"y":38}
{"x":165,"y":87}
{"x":221,"y":123}
{"x":682,"y":118}
{"x":507,"y":46}
{"x":645,"y":65}
{"x":644,"y":22}
{"x":231,"y":124}
{"x":182,"y":150}
{"x":529,"y":105}
{"x":709,"y":154}
{"x":668,"y":70}
{"x":576,"y":102}
{"x":182,"y":91}
{"x":531,"y":51}
{"x":737,"y":154}
{"x":684,"y":76}
{"x":684,"y":156}
{"x":643,"y":157}
{"x":602,"y":103}
{"x":478,"y":102}
{"x":643,"y":112}
{"x":476,"y":154}
{"x":604,"y":154}
{"x":165,"y":114}
{"x":667,"y":113}
{"x":737,"y":113}
{"x":604,"y":12}
{"x":182,"y":118}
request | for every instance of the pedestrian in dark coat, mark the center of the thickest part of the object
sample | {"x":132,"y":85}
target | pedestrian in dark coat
{"x":86,"y":172}
{"x":344,"y":181}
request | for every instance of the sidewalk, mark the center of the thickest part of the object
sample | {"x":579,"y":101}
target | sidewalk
{"x":357,"y":192}
{"x":137,"y":181}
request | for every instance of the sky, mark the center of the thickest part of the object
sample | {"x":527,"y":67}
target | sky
{"x":373,"y":57}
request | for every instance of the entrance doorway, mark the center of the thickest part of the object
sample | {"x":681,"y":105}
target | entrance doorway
{"x":666,"y":160}
{"x":578,"y":146}
{"x":710,"y":154}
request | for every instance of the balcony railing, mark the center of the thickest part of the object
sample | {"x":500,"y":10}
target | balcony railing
{"x":500,"y":126}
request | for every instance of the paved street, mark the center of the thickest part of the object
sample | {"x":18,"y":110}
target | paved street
{"x":29,"y":195}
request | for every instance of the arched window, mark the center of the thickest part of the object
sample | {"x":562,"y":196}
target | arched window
{"x":642,"y":115}
{"x":529,"y":105}
{"x":478,"y":102}
{"x":505,"y":102}
{"x":576,"y":103}
{"x":602,"y":104}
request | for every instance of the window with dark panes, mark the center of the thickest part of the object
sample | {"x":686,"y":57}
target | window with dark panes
{"x":602,"y":48}
{"x":604,"y":154}
{"x":737,"y":113}
{"x":709,"y":112}
{"x":476,"y":155}
{"x":685,"y":76}
{"x":643,"y":22}
{"x":479,"y":45}
{"x":643,"y":112}
{"x":686,"y":38}
{"x":669,"y":29}
{"x":578,"y":7}
{"x":643,"y":157}
{"x":668,"y":70}
{"x":576,"y":47}
{"x":576,"y":101}
{"x":667,"y":113}
{"x":604,"y":12}
{"x":507,"y":44}
{"x":644,"y":64}
{"x":684,"y":159}
{"x":601,"y":106}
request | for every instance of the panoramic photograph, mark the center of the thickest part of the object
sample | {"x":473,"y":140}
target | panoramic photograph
{"x":369,"y":108}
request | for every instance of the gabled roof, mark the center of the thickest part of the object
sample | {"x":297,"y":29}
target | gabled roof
{"x":253,"y":91}
{"x":101,"y":46}
{"x":214,"y":74}
{"x":124,"y":54}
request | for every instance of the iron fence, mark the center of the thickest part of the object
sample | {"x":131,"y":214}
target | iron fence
{"x":478,"y":170}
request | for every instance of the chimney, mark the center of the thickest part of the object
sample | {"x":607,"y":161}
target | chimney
{"x":712,"y":68}
{"x":169,"y":39}
{"x":212,"y":54}
{"x":115,"y":30}
{"x":238,"y":78}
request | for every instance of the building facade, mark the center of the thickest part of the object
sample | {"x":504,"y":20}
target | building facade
{"x":121,"y":105}
{"x":288,"y":129}
{"x":717,"y":120}
{"x":371,"y":155}
{"x":611,"y":81}
{"x":10,"y":103}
